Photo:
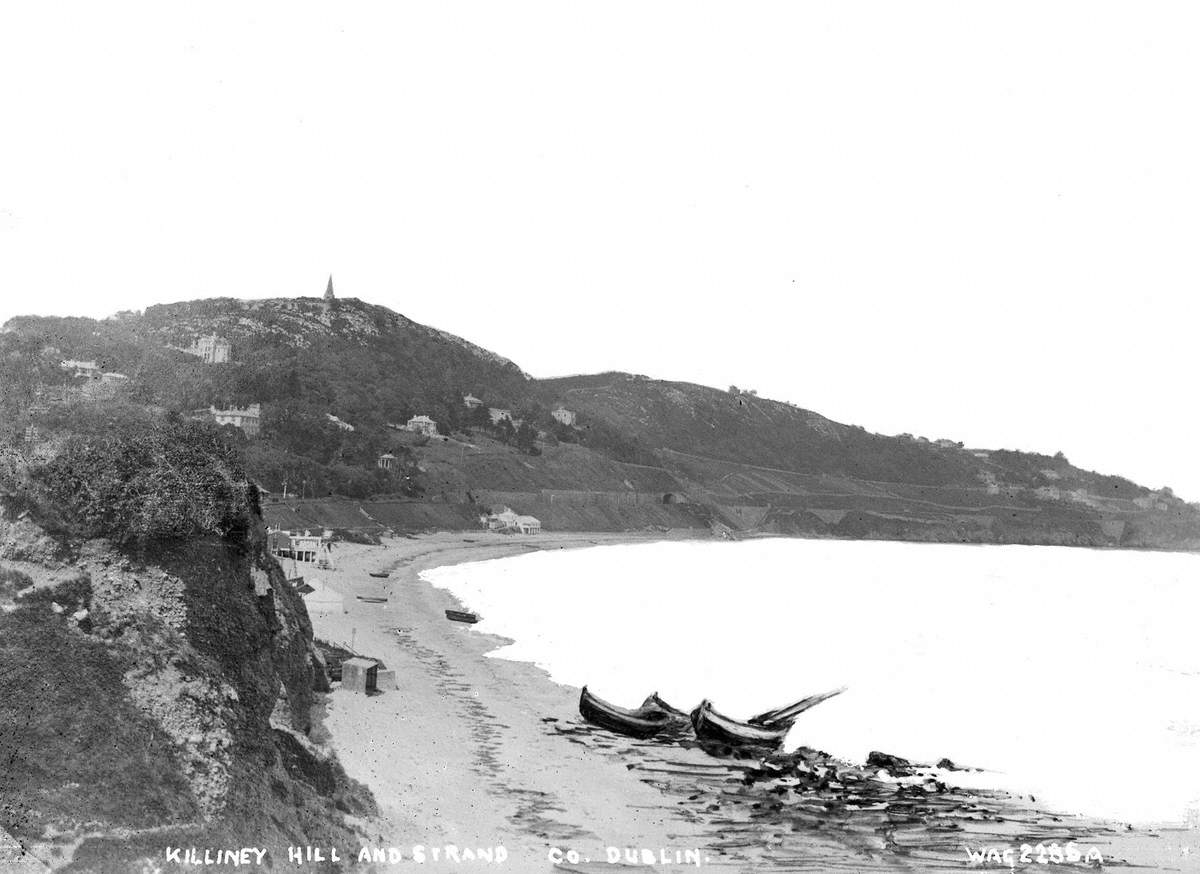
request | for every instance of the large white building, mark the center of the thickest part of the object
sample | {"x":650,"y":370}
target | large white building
{"x":212,"y":349}
{"x":249,"y":419}
{"x":563,"y":415}
{"x":422,"y":425}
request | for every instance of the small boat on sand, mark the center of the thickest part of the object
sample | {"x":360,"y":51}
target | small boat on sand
{"x":718,"y":728}
{"x":787,"y":715}
{"x":677,"y":715}
{"x":383,"y":575}
{"x":462,"y":616}
{"x":646,"y":721}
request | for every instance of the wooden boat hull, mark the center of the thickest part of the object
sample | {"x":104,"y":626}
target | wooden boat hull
{"x":643,"y":722}
{"x":462,"y":616}
{"x":382,"y":576}
{"x":712,"y":726}
{"x":681,"y":717}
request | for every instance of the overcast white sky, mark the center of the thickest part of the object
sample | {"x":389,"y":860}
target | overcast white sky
{"x":965,"y":220}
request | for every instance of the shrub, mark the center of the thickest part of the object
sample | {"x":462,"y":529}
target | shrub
{"x":142,"y":481}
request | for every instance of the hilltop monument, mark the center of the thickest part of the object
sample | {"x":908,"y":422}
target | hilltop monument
{"x":330,"y":300}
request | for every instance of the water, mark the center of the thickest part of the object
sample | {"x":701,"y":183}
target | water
{"x":1070,"y":674}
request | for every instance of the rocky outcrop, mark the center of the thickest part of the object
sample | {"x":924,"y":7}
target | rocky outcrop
{"x":208,"y":653}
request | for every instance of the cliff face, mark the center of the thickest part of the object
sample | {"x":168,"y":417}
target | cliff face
{"x":158,"y":697}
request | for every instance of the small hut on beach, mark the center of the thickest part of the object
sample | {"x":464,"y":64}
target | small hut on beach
{"x":360,"y":675}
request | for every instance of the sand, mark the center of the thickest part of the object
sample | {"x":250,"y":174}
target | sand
{"x":476,"y":752}
{"x":461,"y":753}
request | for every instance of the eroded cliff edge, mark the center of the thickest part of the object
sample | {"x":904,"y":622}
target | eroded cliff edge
{"x":156,"y":691}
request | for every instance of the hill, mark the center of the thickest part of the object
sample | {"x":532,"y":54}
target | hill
{"x":335,"y":381}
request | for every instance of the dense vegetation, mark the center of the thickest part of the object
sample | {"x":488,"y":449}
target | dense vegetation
{"x":136,"y":476}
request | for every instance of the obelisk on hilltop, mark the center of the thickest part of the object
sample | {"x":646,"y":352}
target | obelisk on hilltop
{"x":330,"y":300}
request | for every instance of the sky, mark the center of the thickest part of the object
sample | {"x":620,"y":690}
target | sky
{"x":976,"y":221}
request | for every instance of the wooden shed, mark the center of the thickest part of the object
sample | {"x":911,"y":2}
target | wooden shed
{"x":360,"y":675}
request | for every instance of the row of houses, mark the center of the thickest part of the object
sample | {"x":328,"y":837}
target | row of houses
{"x":500,"y":414}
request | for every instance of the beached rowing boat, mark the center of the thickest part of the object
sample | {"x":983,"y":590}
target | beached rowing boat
{"x":462,"y":616}
{"x":646,"y":721}
{"x":712,"y":726}
{"x":679,"y":716}
{"x":383,"y":575}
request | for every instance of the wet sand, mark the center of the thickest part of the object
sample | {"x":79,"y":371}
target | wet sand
{"x":476,"y":752}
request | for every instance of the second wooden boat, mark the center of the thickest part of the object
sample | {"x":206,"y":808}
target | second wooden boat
{"x":383,"y":575}
{"x":462,"y":616}
{"x":678,"y":716}
{"x":712,"y":726}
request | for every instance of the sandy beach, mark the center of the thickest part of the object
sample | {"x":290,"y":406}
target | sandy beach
{"x":481,"y":753}
{"x":462,"y":753}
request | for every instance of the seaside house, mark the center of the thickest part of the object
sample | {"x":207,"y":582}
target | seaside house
{"x":528,"y":525}
{"x":506,"y":521}
{"x":471,"y":402}
{"x":500,"y":520}
{"x":249,"y":419}
{"x":563,"y":416}
{"x":422,"y":425}
{"x":302,"y":547}
{"x":498,"y":415}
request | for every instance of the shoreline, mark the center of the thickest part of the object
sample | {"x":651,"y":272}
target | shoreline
{"x":466,"y":752}
{"x":469,"y":751}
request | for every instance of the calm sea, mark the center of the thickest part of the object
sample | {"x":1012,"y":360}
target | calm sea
{"x":1072,"y":674}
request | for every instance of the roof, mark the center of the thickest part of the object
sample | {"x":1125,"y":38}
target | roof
{"x":528,"y":520}
{"x":360,"y":663}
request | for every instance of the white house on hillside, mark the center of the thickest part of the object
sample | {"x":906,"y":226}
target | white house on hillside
{"x":249,"y":419}
{"x":212,"y":349}
{"x":563,"y":415}
{"x":422,"y":425}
